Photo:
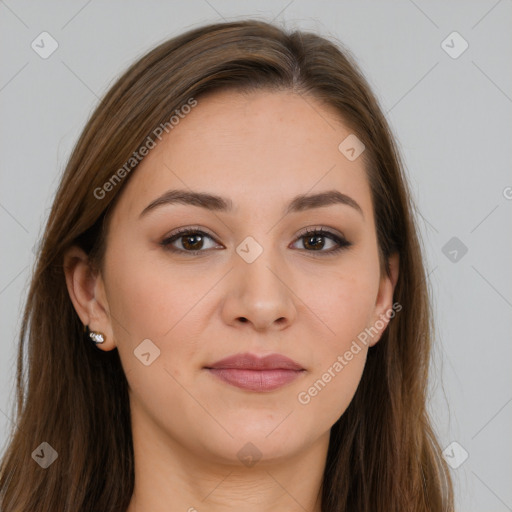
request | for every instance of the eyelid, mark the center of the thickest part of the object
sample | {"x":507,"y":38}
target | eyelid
{"x":325,"y":229}
{"x":186,"y":229}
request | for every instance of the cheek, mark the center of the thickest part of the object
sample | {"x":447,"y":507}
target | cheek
{"x":328,"y":393}
{"x":148,"y":300}
{"x":339,"y":362}
{"x":345,"y":305}
{"x":340,"y":352}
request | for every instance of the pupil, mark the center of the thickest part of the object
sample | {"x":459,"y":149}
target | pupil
{"x":316,"y":239}
{"x":188,"y":238}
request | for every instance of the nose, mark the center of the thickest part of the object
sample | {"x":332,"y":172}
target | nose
{"x":260,"y":294}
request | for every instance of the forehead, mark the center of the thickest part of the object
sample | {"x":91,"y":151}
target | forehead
{"x":257,"y":148}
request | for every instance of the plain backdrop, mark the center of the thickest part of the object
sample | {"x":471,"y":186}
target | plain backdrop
{"x":449,"y":107}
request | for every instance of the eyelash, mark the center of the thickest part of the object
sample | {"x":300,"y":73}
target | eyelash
{"x":308,"y":232}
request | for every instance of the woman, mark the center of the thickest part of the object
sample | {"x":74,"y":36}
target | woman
{"x":230,"y":307}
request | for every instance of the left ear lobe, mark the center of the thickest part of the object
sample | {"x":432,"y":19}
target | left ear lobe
{"x":384,"y":302}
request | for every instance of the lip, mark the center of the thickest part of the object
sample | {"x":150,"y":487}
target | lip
{"x":254,"y":373}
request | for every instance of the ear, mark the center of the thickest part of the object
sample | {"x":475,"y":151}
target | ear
{"x":384,"y":308}
{"x":87,"y":293}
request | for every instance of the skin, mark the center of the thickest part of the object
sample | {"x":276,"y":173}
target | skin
{"x":260,"y":150}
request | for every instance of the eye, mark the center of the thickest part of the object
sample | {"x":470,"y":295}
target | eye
{"x":313,"y":239}
{"x":191,"y":241}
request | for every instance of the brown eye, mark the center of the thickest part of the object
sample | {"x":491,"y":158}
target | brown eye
{"x":191,"y":240}
{"x":314,"y":241}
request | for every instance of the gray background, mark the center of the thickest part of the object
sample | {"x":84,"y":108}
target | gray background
{"x":452,"y":118}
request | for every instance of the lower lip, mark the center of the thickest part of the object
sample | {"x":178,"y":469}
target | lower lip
{"x":256,"y":380}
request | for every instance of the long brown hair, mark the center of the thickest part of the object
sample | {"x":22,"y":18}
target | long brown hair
{"x":383,"y":454}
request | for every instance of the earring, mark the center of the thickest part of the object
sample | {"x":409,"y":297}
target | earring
{"x":96,"y":337}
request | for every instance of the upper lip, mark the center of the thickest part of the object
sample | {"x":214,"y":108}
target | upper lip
{"x":249,"y":361}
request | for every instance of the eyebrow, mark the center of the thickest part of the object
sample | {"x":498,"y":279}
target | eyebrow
{"x":221,"y":204}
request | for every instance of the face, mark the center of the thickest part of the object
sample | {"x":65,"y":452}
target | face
{"x":251,"y":277}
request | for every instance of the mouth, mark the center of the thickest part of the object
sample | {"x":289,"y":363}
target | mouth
{"x":254,"y":373}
